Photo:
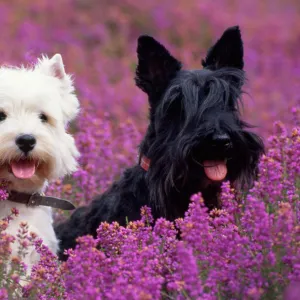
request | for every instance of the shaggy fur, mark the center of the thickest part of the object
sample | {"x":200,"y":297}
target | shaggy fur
{"x":35,"y":106}
{"x":194,"y":117}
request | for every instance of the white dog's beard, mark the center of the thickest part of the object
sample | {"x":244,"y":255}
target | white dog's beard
{"x":28,"y":173}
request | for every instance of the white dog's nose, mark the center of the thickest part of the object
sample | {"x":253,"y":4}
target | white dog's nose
{"x":26,"y":142}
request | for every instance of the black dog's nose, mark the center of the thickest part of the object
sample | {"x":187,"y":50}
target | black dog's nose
{"x":26,"y":142}
{"x":221,"y":140}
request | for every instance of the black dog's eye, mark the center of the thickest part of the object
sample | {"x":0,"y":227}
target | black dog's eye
{"x":2,"y":116}
{"x":44,"y":118}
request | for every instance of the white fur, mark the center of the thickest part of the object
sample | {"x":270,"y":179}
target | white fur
{"x":24,"y":95}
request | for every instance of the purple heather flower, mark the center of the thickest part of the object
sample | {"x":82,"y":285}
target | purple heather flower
{"x":250,"y":247}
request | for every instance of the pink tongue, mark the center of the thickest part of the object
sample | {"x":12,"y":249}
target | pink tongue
{"x":23,"y":169}
{"x":215,"y":170}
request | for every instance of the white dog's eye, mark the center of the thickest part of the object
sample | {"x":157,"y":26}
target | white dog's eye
{"x":44,"y":118}
{"x":2,"y":116}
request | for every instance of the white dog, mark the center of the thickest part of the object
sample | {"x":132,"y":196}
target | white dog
{"x":35,"y":106}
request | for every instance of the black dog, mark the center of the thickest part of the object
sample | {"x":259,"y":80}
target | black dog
{"x":195,"y":139}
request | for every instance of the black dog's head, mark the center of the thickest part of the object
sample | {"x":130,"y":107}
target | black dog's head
{"x":196,"y":138}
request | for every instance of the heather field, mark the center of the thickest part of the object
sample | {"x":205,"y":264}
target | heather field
{"x":248,"y":250}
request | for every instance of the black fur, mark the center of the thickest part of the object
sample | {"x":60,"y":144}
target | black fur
{"x":194,"y":116}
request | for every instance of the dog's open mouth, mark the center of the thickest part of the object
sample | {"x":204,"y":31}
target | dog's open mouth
{"x":215,"y":170}
{"x":23,"y":168}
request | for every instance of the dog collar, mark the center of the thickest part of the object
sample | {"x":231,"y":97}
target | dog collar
{"x":37,"y":199}
{"x":145,"y":162}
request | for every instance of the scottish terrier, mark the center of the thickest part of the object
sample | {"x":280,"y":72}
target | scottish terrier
{"x":195,"y":139}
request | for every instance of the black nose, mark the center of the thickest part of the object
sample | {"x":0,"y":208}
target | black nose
{"x":26,"y":142}
{"x":221,"y":140}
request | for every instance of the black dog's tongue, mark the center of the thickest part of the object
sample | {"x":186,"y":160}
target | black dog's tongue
{"x":215,"y":170}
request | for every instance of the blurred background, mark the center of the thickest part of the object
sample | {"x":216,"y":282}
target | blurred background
{"x":97,"y":39}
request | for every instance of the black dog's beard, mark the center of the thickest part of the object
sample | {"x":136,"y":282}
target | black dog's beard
{"x":205,"y":167}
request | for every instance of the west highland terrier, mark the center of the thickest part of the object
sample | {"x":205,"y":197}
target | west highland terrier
{"x":36,"y":105}
{"x":196,"y":139}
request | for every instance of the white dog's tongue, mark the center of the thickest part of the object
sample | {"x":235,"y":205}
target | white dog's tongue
{"x":23,"y":169}
{"x":215,"y":170}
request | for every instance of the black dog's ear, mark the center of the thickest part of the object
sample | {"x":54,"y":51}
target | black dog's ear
{"x":156,"y":66}
{"x":228,"y":51}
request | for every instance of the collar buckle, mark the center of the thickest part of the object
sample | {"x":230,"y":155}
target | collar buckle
{"x":34,"y":200}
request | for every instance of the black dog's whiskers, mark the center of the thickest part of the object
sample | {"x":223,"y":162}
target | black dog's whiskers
{"x":195,"y":140}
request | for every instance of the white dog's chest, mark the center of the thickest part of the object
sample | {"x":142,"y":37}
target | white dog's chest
{"x":39,"y":220}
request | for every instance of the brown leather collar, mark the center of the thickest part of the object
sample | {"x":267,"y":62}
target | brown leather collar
{"x":145,"y":162}
{"x":37,"y":199}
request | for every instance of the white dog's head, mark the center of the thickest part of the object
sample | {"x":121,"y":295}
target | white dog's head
{"x":35,"y":107}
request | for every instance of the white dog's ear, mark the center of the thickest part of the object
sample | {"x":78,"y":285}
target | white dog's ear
{"x":52,"y":67}
{"x":55,"y":67}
